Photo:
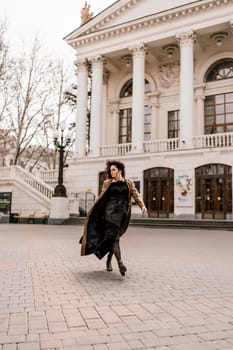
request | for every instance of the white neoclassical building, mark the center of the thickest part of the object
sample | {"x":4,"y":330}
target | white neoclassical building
{"x":155,"y":89}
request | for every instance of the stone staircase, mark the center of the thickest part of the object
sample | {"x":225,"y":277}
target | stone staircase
{"x":168,"y":223}
{"x":25,"y":187}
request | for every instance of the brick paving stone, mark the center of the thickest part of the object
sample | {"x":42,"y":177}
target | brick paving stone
{"x":217,"y":335}
{"x":114,"y":329}
{"x":69,"y":342}
{"x":100,"y":347}
{"x":177,"y":293}
{"x":170,"y":332}
{"x":140,"y":312}
{"x":119,"y":346}
{"x":51,"y":344}
{"x":17,"y":330}
{"x":213,"y":345}
{"x":89,"y":313}
{"x":135,"y":344}
{"x":80,"y":347}
{"x":132,"y":336}
{"x":57,"y":327}
{"x":32,"y":338}
{"x":9,"y":347}
{"x":108,"y":315}
{"x":28,"y":346}
{"x":73,"y":318}
{"x":92,"y":340}
{"x":95,"y":324}
{"x":12,"y":339}
{"x":122,"y":310}
{"x":55,"y":316}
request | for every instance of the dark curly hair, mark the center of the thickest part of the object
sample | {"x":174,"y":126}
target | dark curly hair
{"x":118,"y":164}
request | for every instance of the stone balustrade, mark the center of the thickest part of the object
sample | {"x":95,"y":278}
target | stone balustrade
{"x":169,"y":145}
{"x":19,"y":174}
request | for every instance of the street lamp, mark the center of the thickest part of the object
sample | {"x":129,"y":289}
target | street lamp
{"x":60,"y":190}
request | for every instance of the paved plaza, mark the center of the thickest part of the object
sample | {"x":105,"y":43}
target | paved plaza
{"x":177,"y":293}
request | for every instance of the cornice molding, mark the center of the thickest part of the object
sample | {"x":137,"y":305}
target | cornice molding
{"x":114,"y":14}
{"x":91,"y":36}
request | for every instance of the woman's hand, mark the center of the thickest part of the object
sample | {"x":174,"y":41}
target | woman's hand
{"x":144,"y":210}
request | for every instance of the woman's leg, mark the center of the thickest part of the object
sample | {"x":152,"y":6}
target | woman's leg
{"x":109,"y":261}
{"x":117,"y":252}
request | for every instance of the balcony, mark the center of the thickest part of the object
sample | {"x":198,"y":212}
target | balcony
{"x":169,"y":145}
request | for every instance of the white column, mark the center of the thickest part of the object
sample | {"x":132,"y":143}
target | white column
{"x":154,"y":102}
{"x":113,"y":135}
{"x":138,"y":53}
{"x":104,"y":122}
{"x":81,"y":110}
{"x":186,"y":86}
{"x":199,"y":98}
{"x":96,"y":106}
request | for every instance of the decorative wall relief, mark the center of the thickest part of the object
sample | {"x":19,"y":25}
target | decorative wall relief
{"x":169,"y":74}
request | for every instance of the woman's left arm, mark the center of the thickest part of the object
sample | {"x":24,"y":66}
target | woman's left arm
{"x":136,"y":196}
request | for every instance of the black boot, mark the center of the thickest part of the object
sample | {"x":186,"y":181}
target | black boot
{"x":108,"y":265}
{"x":122,"y":268}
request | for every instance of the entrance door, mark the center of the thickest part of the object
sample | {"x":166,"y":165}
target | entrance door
{"x":159,"y":192}
{"x":213,"y":191}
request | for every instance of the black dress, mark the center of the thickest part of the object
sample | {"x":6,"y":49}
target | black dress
{"x":117,"y":203}
{"x":114,"y":214}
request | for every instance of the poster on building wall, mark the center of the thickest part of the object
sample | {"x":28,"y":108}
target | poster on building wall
{"x":184,"y":191}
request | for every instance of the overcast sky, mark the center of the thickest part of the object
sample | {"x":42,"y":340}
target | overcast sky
{"x":50,"y":19}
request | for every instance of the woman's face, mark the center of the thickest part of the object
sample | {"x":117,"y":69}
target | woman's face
{"x":115,"y":172}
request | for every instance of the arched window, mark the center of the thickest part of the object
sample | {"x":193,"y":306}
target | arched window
{"x":220,"y":70}
{"x":127,"y":89}
{"x":125,"y":121}
{"x":219,"y":107}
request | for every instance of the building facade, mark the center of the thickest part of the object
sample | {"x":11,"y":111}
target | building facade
{"x":155,"y":90}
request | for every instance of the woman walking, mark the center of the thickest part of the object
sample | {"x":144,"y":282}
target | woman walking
{"x":109,"y":217}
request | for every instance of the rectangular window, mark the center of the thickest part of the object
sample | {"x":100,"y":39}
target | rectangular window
{"x":147,"y":123}
{"x":173,"y":124}
{"x":125,"y":125}
{"x":218,"y":113}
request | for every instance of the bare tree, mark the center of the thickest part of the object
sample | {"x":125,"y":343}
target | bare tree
{"x":28,"y":92}
{"x":32,"y":101}
{"x":5,"y":68}
{"x":58,"y":112}
{"x":71,"y":96}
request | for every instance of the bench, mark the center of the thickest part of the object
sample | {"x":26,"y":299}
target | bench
{"x":40,"y":217}
{"x":25,"y":216}
{"x":29,"y":216}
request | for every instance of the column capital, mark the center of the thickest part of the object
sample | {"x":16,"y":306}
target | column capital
{"x":98,"y":60}
{"x":114,"y":107}
{"x":138,"y":49}
{"x":81,"y":62}
{"x":200,"y":92}
{"x":186,"y":38}
{"x":231,"y":24}
{"x":154,"y":100}
{"x":106,"y":75}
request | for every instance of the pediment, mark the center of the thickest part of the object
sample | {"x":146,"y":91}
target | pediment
{"x":125,"y":11}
